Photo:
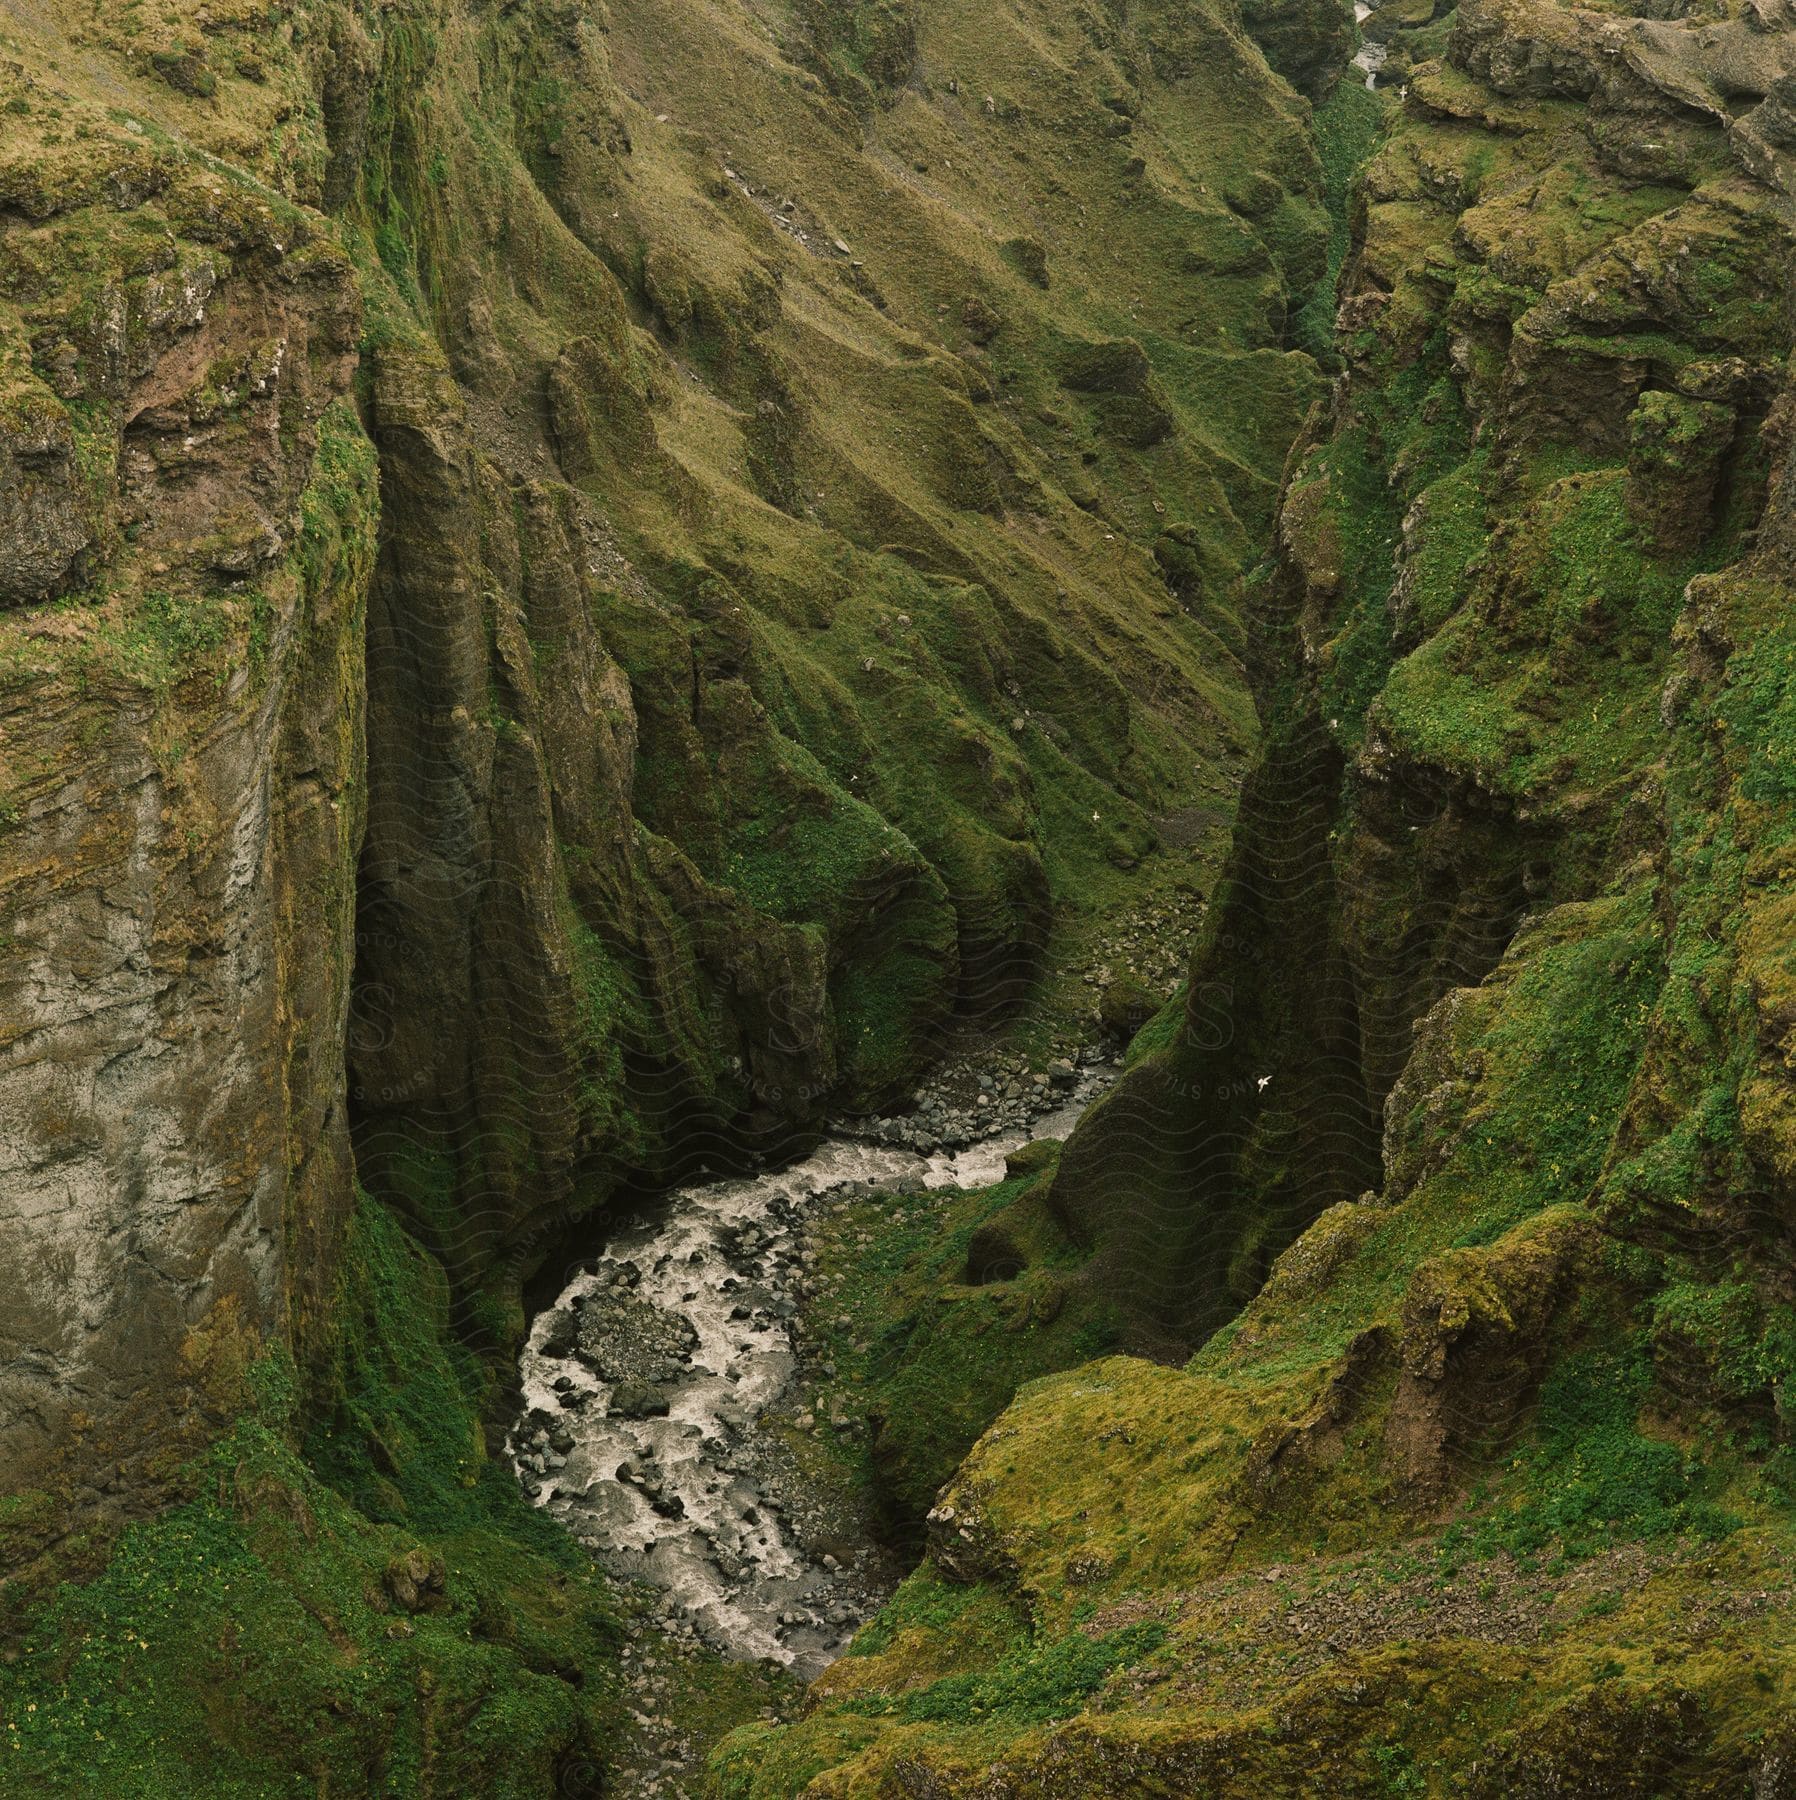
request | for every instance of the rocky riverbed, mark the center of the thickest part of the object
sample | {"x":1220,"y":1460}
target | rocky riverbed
{"x":646,"y":1384}
{"x":1370,"y":57}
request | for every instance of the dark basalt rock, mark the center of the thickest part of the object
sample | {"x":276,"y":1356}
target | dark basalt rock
{"x":637,"y":1400}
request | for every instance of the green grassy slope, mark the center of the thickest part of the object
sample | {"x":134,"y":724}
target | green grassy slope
{"x":1482,"y":1484}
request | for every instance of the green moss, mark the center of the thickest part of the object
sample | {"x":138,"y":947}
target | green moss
{"x":1161,"y":1030}
{"x":800,"y":863}
{"x":173,"y":630}
{"x":924,"y":569}
{"x":1758,"y":709}
{"x":340,"y":503}
{"x":1438,"y":575}
{"x":612,"y":1016}
{"x":1744,"y":1348}
{"x":959,"y":1299}
{"x":245,"y":1643}
{"x":942,"y":1375}
{"x":927,"y":1604}
{"x":1346,"y":125}
{"x":1043,"y":1679}
{"x":1519,"y":845}
{"x":1591,"y":1477}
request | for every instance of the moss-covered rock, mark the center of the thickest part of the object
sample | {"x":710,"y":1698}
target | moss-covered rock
{"x":1475,"y":1117}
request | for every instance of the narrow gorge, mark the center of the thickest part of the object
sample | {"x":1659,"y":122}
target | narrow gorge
{"x":896,"y":898}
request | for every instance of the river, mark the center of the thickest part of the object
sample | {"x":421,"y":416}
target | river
{"x":644,"y":1385}
{"x":1369,"y":58}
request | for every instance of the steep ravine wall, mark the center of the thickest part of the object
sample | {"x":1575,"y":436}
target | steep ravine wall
{"x":574,"y":584}
{"x":185,"y":792}
{"x":1549,"y":365}
{"x":743,"y":658}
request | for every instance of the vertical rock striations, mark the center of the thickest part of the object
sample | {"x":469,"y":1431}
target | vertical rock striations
{"x":764,"y":648}
{"x":764,"y":658}
{"x":181,"y":797}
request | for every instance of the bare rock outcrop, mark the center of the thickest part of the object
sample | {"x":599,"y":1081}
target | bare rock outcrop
{"x":180,"y":811}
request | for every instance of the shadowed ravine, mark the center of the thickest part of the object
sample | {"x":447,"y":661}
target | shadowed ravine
{"x":589,"y":588}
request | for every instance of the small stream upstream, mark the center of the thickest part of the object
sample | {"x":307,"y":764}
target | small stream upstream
{"x":1369,"y":58}
{"x":644,"y":1385}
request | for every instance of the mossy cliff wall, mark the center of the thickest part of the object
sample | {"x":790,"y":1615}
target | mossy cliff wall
{"x":184,"y":788}
{"x":1561,"y":353}
{"x":813,"y":515}
{"x":575,"y":584}
{"x":1474,"y":1134}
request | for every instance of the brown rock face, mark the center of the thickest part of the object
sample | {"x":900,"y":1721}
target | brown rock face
{"x":416,"y":1581}
{"x":468,"y":1042}
{"x":180,"y":812}
{"x":1676,"y":447}
{"x":43,"y":529}
{"x":1476,"y":1336}
{"x":531,"y":1014}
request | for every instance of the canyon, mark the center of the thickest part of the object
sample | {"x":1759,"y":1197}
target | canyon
{"x":1020,"y":773}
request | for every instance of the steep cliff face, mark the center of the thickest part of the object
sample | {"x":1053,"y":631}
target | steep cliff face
{"x":1560,"y":370}
{"x":1485,"y":1487}
{"x":812,"y":512}
{"x":576,"y":586}
{"x":190,"y":531}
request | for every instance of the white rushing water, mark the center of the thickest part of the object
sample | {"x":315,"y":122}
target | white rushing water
{"x":1369,"y":58}
{"x":644,"y":1383}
